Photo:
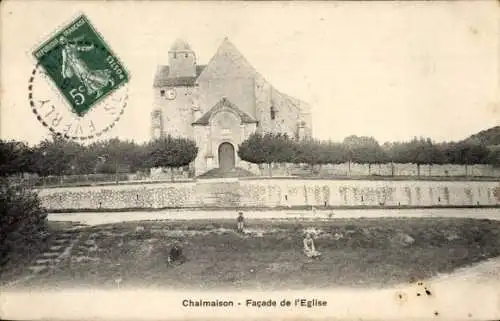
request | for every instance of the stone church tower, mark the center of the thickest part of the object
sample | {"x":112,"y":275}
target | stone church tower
{"x":219,"y":105}
{"x":175,"y":93}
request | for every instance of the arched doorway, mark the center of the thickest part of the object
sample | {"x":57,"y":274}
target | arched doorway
{"x":226,"y":156}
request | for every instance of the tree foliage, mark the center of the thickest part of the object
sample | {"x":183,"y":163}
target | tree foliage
{"x":22,"y":220}
{"x":15,"y":158}
{"x":251,"y":150}
{"x":115,"y":155}
{"x":494,"y":156}
{"x":489,"y":137}
{"x":466,"y":153}
{"x":57,"y":156}
{"x":270,"y":148}
{"x":172,"y":152}
{"x":266,"y":148}
{"x":364,"y":150}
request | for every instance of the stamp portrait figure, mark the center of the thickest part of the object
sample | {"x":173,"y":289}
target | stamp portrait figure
{"x":72,"y":65}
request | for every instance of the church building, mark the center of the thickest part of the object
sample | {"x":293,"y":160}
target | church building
{"x":220,"y":104}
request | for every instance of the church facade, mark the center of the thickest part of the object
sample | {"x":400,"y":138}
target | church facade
{"x":220,"y":104}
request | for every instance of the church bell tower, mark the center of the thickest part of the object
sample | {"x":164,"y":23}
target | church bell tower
{"x":182,"y":60}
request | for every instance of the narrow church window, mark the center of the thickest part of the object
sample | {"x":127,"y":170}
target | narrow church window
{"x":162,"y":93}
{"x":186,"y":55}
{"x":175,"y":55}
{"x":273,"y":113}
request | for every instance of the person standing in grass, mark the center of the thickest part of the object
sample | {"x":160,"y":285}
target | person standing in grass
{"x":309,"y":248}
{"x":240,"y":222}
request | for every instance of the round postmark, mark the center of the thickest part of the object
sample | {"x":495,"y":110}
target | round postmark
{"x":53,"y":112}
{"x":78,"y":88}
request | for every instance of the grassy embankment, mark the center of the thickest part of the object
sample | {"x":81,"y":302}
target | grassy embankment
{"x":356,"y":252}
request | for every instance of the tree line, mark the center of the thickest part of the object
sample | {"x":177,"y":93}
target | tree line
{"x":57,"y":156}
{"x":279,"y":148}
{"x":23,"y":223}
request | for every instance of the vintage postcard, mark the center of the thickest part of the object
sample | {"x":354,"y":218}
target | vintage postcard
{"x":178,"y":160}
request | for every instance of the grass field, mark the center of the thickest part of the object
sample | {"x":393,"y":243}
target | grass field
{"x":356,"y":252}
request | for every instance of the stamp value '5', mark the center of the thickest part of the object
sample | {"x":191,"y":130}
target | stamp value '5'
{"x":81,"y":65}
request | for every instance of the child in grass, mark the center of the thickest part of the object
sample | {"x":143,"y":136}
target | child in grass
{"x":309,"y":248}
{"x":240,"y":222}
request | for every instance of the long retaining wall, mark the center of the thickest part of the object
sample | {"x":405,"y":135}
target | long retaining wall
{"x":388,"y":169}
{"x":333,"y":171}
{"x":274,"y":193}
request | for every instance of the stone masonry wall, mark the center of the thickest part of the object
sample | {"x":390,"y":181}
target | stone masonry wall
{"x":239,"y":91}
{"x":354,"y":169}
{"x":287,"y":114}
{"x":177,"y":114}
{"x":272,"y":193}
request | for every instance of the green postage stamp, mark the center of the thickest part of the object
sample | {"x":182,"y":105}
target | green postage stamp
{"x":81,"y":65}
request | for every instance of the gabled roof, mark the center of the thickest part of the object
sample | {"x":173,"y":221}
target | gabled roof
{"x":163,"y":80}
{"x":228,"y":62}
{"x":224,"y":103}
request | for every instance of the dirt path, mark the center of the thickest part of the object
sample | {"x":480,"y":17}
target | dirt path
{"x":93,"y":218}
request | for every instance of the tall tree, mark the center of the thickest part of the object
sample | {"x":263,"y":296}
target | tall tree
{"x":334,"y":153}
{"x":15,"y":158}
{"x":467,"y":153}
{"x":252,"y":149}
{"x":56,"y":156}
{"x":419,"y":151}
{"x":172,"y":152}
{"x":267,"y":149}
{"x":364,"y":150}
{"x":22,"y":221}
{"x":494,"y":156}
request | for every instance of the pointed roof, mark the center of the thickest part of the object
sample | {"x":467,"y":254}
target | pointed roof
{"x":224,"y":103}
{"x":180,"y":45}
{"x":228,"y":62}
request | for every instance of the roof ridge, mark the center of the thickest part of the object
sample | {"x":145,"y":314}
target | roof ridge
{"x":226,"y":43}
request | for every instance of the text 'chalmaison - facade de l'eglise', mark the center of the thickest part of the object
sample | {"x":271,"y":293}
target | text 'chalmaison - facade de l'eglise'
{"x":220,"y":104}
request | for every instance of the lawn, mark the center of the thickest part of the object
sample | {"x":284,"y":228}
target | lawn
{"x":356,"y":252}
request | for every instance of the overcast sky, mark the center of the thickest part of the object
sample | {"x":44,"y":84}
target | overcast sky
{"x":389,"y":70}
